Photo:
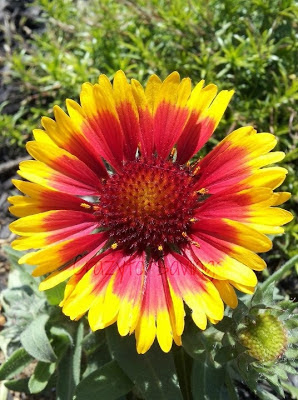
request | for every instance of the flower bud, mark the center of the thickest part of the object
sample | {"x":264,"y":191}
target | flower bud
{"x":265,"y":338}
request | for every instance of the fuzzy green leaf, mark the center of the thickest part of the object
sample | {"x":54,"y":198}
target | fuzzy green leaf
{"x":230,"y":385}
{"x":288,"y":368}
{"x":62,"y":334}
{"x":292,"y":389}
{"x":35,"y":340}
{"x":41,"y":375}
{"x":15,"y":364}
{"x":249,"y":374}
{"x":264,"y":395}
{"x":20,"y":274}
{"x":274,"y":382}
{"x":18,"y":385}
{"x":281,"y":372}
{"x":292,"y":353}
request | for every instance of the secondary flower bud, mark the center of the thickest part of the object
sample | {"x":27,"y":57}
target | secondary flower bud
{"x":265,"y":338}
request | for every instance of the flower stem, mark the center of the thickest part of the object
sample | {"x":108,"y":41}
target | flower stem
{"x":279,"y":274}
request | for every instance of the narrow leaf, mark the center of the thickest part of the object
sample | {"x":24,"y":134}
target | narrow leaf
{"x":15,"y":364}
{"x":40,"y":378}
{"x":69,"y":368}
{"x":264,"y":395}
{"x":18,"y":385}
{"x":62,"y":334}
{"x":281,"y":272}
{"x":292,"y":389}
{"x":65,"y":381}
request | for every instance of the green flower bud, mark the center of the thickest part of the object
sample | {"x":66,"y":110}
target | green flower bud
{"x":265,"y":338}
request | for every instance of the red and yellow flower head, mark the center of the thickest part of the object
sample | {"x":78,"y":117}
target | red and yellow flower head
{"x":114,"y":205}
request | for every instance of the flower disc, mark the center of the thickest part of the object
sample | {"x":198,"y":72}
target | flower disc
{"x":148,"y":206}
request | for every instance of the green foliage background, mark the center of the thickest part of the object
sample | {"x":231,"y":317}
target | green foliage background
{"x":250,"y":46}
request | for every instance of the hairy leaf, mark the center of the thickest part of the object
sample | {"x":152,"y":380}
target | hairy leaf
{"x":35,"y":340}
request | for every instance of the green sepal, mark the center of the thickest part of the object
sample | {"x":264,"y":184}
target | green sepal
{"x":240,"y":312}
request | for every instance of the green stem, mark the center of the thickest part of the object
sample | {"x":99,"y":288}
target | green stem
{"x":3,"y":391}
{"x":230,"y":385}
{"x":278,"y":275}
{"x":183,"y":364}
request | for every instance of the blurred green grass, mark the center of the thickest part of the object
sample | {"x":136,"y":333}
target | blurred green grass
{"x":247,"y":45}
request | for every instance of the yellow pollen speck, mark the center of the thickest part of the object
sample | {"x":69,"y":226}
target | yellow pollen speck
{"x":184,"y":234}
{"x":196,"y":167}
{"x":196,"y":170}
{"x":193,"y":220}
{"x":96,"y":208}
{"x":85,"y":205}
{"x":195,"y":243}
{"x":173,"y":152}
{"x":160,"y":248}
{"x":114,"y":246}
{"x":202,"y":191}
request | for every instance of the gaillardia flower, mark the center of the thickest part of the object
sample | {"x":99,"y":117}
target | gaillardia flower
{"x":116,"y":206}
